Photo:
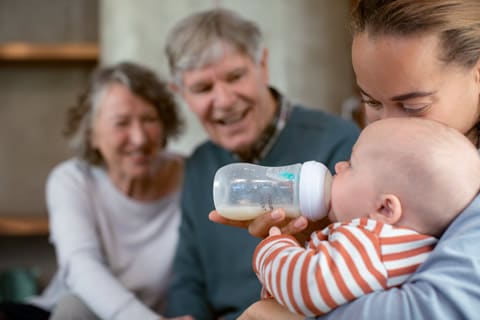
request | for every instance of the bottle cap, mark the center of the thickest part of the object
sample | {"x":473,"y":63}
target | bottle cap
{"x":314,"y":190}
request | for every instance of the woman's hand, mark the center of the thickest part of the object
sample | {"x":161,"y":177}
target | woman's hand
{"x":299,"y":227}
{"x":268,"y":309}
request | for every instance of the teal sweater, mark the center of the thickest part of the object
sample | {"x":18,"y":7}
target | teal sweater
{"x":213,"y":274}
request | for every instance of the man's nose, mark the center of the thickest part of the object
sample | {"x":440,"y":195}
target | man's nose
{"x":224,"y":96}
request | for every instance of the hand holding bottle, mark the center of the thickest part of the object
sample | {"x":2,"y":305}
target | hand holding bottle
{"x":315,"y":191}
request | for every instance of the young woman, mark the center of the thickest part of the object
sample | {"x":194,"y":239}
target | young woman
{"x":415,"y":59}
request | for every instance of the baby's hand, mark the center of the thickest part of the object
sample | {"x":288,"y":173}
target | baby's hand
{"x":274,"y":231}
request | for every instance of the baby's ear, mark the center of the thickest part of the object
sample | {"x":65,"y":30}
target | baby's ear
{"x":388,"y":209}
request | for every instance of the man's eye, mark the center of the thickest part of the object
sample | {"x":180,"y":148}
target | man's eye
{"x":201,"y":89}
{"x":234,"y":77}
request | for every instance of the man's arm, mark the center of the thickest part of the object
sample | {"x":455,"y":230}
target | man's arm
{"x":187,"y":293}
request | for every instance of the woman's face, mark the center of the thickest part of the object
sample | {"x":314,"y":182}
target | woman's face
{"x":403,"y":77}
{"x":127,"y":132}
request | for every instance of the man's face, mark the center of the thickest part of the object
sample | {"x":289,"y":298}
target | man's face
{"x":231,"y":99}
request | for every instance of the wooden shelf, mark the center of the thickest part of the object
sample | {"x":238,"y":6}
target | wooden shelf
{"x":23,"y":226}
{"x":20,"y":51}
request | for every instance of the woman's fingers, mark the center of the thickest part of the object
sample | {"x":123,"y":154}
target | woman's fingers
{"x":217,"y":218}
{"x":260,"y":226}
{"x":299,"y":227}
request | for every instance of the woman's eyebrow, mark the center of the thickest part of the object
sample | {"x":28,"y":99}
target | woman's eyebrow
{"x":404,"y":96}
{"x":412,"y":95}
{"x":363,"y":92}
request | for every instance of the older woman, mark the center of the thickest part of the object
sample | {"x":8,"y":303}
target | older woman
{"x":114,"y":208}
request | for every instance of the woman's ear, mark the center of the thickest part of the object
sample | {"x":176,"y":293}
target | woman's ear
{"x":476,"y":70}
{"x":387,"y":210}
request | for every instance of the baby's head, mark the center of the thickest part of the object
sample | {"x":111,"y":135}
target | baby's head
{"x":407,"y":172}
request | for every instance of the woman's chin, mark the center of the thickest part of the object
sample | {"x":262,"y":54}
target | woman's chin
{"x":138,"y":171}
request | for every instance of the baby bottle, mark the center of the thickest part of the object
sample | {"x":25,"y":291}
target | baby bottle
{"x":242,"y":191}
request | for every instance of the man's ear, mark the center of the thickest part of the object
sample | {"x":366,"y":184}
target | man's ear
{"x":388,"y":209}
{"x":264,"y":64}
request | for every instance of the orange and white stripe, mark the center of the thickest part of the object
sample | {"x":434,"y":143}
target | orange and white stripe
{"x":341,"y":262}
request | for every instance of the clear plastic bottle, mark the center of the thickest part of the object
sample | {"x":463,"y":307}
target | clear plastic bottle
{"x":242,"y":191}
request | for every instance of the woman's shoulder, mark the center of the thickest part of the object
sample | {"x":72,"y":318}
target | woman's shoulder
{"x":71,"y":169}
{"x":467,"y":223}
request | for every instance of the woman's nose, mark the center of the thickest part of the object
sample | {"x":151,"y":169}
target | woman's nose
{"x":392,"y":112}
{"x":138,"y":134}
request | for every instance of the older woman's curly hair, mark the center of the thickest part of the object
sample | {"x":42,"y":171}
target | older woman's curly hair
{"x":140,"y":81}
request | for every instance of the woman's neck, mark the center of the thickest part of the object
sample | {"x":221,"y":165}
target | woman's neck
{"x":163,"y":179}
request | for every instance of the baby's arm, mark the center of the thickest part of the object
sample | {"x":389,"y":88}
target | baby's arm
{"x":315,"y":280}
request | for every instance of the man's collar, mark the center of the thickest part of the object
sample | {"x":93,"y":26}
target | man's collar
{"x":269,"y":136}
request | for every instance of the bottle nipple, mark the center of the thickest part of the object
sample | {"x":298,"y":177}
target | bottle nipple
{"x":314,"y":190}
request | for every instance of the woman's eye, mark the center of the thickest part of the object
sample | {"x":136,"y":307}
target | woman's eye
{"x":150,"y":119}
{"x":415,"y":109}
{"x":372,"y":104}
{"x":121,"y":124}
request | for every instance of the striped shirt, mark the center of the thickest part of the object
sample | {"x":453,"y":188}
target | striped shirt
{"x":340,"y":263}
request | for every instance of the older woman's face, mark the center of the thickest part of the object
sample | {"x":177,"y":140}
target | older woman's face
{"x":403,"y":77}
{"x":127,"y":132}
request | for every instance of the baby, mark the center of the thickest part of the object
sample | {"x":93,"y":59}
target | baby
{"x":406,"y":180}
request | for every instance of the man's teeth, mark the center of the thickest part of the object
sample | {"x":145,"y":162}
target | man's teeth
{"x":232,"y":119}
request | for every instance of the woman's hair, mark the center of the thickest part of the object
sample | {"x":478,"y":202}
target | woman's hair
{"x":140,"y":81}
{"x":456,"y":22}
{"x":198,"y":39}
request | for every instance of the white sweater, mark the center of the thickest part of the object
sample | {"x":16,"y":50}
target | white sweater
{"x":113,"y":252}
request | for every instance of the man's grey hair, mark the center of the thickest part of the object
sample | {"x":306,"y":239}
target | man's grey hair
{"x":201,"y":38}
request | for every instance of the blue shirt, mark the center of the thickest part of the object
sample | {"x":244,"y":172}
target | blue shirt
{"x":213,"y":275}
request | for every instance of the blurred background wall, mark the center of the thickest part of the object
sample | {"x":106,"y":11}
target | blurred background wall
{"x":309,"y":46}
{"x":308,"y":41}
